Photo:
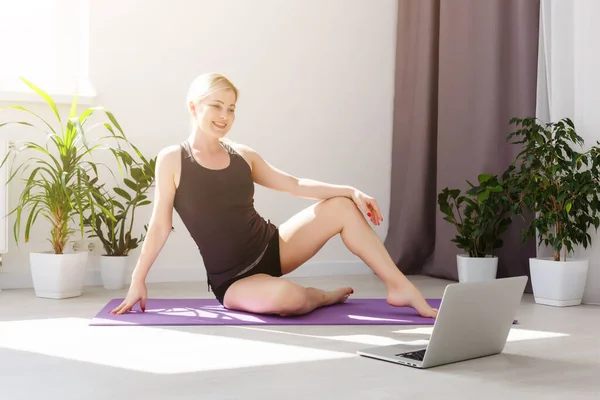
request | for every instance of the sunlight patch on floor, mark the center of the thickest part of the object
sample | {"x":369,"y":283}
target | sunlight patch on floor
{"x":379,"y":340}
{"x":149,"y":349}
{"x":374,"y":340}
{"x":514,"y":335}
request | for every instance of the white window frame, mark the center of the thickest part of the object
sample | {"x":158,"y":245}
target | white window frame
{"x":4,"y":207}
{"x":17,"y":92}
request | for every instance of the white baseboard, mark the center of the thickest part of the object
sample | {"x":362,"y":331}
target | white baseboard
{"x":21,"y":278}
{"x":331,"y":268}
{"x":591,"y":303}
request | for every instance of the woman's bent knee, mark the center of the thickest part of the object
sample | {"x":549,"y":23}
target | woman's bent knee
{"x":291,"y":300}
{"x":338,"y":205}
{"x":342,"y":207}
{"x":340,"y":202}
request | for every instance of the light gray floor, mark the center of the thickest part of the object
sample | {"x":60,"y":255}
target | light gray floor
{"x":47,"y":351}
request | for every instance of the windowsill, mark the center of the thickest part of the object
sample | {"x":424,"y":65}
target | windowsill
{"x":60,"y":98}
{"x":15,"y":91}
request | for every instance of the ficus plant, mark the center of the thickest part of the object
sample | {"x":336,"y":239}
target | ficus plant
{"x":480,"y":214}
{"x":60,"y":169}
{"x":556,"y":180}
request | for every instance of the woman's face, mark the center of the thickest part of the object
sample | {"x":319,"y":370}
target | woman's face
{"x":215,"y":114}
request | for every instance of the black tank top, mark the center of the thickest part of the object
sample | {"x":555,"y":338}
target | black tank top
{"x":217,"y":208}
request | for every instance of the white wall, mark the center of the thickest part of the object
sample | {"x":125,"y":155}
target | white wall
{"x":571,"y":56}
{"x":316,"y":81}
{"x":587,"y":119}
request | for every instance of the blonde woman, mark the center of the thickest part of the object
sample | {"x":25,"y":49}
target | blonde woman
{"x":209,"y":181}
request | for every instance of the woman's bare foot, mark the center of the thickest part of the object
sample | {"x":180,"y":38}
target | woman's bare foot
{"x":411,"y":297}
{"x":338,"y":295}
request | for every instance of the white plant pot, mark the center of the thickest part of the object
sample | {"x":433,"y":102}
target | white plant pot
{"x":476,"y":269}
{"x":113,"y":270}
{"x":58,"y":276}
{"x":558,"y":283}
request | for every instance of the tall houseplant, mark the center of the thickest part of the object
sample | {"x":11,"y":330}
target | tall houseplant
{"x":556,"y":180}
{"x":481,"y":215}
{"x":57,"y":188}
{"x":116,"y":234}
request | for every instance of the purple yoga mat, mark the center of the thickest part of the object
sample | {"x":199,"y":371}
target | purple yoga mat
{"x":210,"y":312}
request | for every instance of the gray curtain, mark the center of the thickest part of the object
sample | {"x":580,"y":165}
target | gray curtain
{"x":463,"y":69}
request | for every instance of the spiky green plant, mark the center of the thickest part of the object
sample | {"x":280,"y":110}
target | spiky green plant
{"x":59,"y":186}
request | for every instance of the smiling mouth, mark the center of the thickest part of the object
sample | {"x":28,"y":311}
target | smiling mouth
{"x":220,"y":125}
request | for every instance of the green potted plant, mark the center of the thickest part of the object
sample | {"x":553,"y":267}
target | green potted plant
{"x":558,"y":182}
{"x":115,"y":234}
{"x":56,"y":187}
{"x":481,"y":215}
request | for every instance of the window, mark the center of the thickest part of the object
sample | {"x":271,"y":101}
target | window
{"x":4,"y":232}
{"x":46,"y":42}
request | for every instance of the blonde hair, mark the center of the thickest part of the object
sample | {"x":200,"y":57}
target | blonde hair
{"x":206,"y":84}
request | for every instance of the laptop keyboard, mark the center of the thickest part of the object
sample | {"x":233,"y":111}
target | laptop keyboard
{"x":414,"y":355}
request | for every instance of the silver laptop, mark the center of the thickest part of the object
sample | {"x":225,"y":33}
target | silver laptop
{"x":474,"y":320}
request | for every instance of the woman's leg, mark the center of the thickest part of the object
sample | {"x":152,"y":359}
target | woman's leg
{"x":306,"y":233}
{"x":264,"y":294}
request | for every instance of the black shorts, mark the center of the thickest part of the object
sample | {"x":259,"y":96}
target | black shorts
{"x":269,"y":264}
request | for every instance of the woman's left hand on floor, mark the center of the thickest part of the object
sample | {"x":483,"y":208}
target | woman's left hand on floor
{"x":368,"y":206}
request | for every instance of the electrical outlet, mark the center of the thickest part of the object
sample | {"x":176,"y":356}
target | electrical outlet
{"x":77,"y":245}
{"x":92,"y":246}
{"x":95,"y":246}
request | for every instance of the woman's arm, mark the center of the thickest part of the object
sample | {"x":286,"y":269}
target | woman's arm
{"x":311,"y":189}
{"x":160,"y":224}
{"x":271,"y":177}
{"x":158,"y":231}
